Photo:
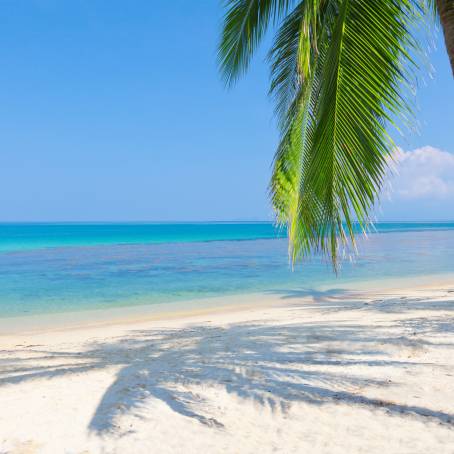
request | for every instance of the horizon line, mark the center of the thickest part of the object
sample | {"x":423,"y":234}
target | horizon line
{"x":170,"y":221}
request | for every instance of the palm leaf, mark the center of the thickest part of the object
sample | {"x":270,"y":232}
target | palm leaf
{"x":338,"y":68}
{"x":360,"y":91}
{"x":296,"y":90}
{"x":245,"y":23}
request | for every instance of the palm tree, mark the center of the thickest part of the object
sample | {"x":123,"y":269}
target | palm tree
{"x":341,"y":72}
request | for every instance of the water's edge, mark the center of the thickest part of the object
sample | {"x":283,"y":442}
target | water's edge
{"x":127,"y":315}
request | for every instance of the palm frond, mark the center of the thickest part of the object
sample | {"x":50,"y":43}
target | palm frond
{"x":338,"y":74}
{"x":297,"y":93}
{"x":245,"y":23}
{"x":293,"y":54}
{"x":360,"y":91}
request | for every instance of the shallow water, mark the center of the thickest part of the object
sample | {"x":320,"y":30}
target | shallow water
{"x":80,"y":272}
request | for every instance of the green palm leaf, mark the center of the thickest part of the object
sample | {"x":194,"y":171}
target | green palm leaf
{"x":360,"y":83}
{"x":338,"y":68}
{"x":245,"y":21}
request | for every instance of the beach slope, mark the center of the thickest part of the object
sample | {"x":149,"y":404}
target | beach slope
{"x":333,"y":371}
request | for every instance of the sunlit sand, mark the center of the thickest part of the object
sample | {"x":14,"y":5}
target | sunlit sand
{"x":335,"y":371}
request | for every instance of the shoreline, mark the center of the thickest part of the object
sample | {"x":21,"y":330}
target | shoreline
{"x":187,"y":309}
{"x":304,"y":374}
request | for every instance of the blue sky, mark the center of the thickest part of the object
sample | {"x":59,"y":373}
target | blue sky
{"x":115,"y":111}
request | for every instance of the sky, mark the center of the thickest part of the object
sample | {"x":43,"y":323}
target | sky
{"x":115,"y":111}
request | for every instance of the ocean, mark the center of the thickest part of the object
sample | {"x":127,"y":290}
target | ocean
{"x":65,"y":267}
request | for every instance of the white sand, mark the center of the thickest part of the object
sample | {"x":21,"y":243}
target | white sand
{"x":337,"y":372}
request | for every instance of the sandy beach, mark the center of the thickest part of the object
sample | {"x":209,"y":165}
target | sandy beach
{"x":333,"y":371}
{"x":227,"y":227}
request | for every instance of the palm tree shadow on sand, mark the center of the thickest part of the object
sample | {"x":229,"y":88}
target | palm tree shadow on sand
{"x":273,"y":365}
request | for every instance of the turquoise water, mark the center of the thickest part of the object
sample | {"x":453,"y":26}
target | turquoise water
{"x":33,"y":236}
{"x":48,"y":268}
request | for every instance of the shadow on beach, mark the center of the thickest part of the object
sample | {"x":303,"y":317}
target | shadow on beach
{"x":272,"y":364}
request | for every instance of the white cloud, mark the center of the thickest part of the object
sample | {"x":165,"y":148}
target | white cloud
{"x":426,"y":173}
